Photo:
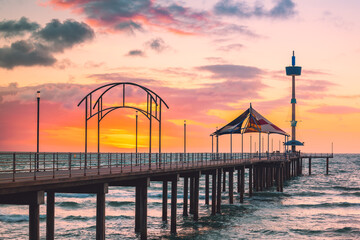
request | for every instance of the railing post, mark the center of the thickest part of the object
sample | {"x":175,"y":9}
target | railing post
{"x":131,"y":164}
{"x":30,"y":161}
{"x":170,"y":159}
{"x":70,"y":164}
{"x":53,"y":165}
{"x":35,"y":170}
{"x":14,"y":166}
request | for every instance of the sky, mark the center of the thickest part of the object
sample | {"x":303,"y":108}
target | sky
{"x":208,"y":60}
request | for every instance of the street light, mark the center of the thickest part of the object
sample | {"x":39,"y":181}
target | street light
{"x":38,"y":120}
{"x":136,"y":138}
{"x":185,"y":136}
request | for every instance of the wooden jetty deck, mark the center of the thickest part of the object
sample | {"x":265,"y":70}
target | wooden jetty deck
{"x":25,"y":177}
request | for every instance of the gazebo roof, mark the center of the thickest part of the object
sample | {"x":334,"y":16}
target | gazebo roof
{"x":250,"y":121}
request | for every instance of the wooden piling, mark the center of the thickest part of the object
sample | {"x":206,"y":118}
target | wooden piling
{"x":137,"y":208}
{"x":100,"y":215}
{"x":218,"y":202}
{"x":239,"y":181}
{"x":309,"y":166}
{"x":185,"y":200}
{"x":196,"y":197}
{"x":164,"y":200}
{"x":327,"y":166}
{"x":224,"y":181}
{"x":213,"y":192}
{"x":191,"y":211}
{"x":242,"y":183}
{"x":250,"y":180}
{"x":173,"y":205}
{"x":50,"y":215}
{"x":34,"y":220}
{"x":277,"y":178}
{"x":231,"y":186}
{"x":282,"y":176}
{"x":143,"y":210}
{"x":207,"y":189}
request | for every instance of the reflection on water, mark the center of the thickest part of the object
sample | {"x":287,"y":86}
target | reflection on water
{"x":311,"y":207}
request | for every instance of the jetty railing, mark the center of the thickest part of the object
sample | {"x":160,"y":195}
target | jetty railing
{"x":316,"y":155}
{"x":17,"y":166}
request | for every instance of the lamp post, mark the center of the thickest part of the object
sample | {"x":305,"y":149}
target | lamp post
{"x":136,"y":138}
{"x":184,"y":138}
{"x":37,"y":130}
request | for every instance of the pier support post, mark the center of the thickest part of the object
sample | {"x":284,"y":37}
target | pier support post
{"x":218,"y":202}
{"x":327,"y":166}
{"x":191,"y":195}
{"x":34,"y":220}
{"x":238,"y":181}
{"x":255,"y":178}
{"x":277,"y":178}
{"x":224,"y":181}
{"x":263,"y":178}
{"x":250,"y":180}
{"x":137,"y":208}
{"x":143,"y":210}
{"x":164,"y":201}
{"x":185,"y":201}
{"x":231,"y":186}
{"x":213,"y":192}
{"x":242,"y":183}
{"x":207,"y":189}
{"x":50,"y":215}
{"x":309,"y":166}
{"x":141,"y":207}
{"x":196,"y":197}
{"x":282,"y":170}
{"x":173,"y":205}
{"x":100,"y":215}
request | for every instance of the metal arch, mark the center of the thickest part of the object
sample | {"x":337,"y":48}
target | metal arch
{"x":109,"y":110}
{"x":99,"y":103}
{"x":124,"y":83}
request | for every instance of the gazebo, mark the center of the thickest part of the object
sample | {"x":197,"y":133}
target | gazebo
{"x":249,"y":121}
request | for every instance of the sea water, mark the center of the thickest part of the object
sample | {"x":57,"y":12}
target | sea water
{"x":318,"y":206}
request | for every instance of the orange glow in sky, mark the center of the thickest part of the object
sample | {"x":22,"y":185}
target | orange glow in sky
{"x":207,"y":59}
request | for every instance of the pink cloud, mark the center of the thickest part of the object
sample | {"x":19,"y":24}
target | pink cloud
{"x":140,"y":15}
{"x":335,"y":110}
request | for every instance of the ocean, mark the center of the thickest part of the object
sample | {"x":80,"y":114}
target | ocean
{"x":311,"y":207}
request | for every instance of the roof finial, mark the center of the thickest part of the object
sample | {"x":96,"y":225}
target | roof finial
{"x":293,"y":58}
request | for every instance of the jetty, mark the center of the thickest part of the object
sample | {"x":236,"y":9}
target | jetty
{"x":23,"y":184}
{"x":25,"y":177}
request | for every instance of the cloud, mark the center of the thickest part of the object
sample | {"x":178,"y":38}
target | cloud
{"x":129,"y":26}
{"x":65,"y":94}
{"x":40,"y":47}
{"x":282,"y":9}
{"x":157,"y":44}
{"x":143,"y":15}
{"x":11,"y":28}
{"x":312,"y":86}
{"x":231,"y":47}
{"x":229,"y":71}
{"x":335,"y":110}
{"x":216,"y":60}
{"x":23,"y":53}
{"x":65,"y":35}
{"x":135,"y":53}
